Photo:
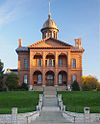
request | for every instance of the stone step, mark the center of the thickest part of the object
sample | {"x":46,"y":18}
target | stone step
{"x":49,"y":96}
{"x":52,"y":109}
{"x":53,"y":117}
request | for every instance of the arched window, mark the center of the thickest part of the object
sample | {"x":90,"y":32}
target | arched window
{"x":39,"y":62}
{"x":73,"y":63}
{"x":60,"y":62}
{"x":39,"y":80}
{"x":60,"y":78}
{"x":74,"y":78}
{"x":25,"y":79}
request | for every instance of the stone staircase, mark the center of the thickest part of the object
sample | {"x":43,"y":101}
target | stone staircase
{"x":50,"y":112}
{"x":50,"y":91}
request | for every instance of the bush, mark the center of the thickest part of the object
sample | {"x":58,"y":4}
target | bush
{"x":12,"y":81}
{"x":75,"y":86}
{"x":24,"y":86}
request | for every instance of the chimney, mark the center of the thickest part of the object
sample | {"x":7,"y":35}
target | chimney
{"x":78,"y":43}
{"x":20,"y":42}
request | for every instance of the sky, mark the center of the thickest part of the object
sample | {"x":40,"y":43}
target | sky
{"x":74,"y":18}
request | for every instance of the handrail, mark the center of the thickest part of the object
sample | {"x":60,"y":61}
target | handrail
{"x":70,"y":115}
{"x":31,"y":115}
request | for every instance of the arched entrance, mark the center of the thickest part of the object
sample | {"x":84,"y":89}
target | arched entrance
{"x":62,"y":78}
{"x":37,"y":78}
{"x":50,"y":78}
{"x":37,"y":60}
{"x":50,"y":60}
{"x":62,"y":60}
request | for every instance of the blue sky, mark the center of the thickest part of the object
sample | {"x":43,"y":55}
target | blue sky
{"x":75,"y":18}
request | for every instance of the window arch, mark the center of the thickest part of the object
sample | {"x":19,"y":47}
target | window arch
{"x":73,"y":63}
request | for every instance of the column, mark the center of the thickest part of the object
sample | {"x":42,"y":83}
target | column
{"x":69,"y":68}
{"x":56,"y":68}
{"x":56,"y":60}
{"x":43,"y":55}
{"x":31,"y":72}
{"x":43,"y":72}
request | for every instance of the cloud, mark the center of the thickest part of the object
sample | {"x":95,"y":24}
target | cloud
{"x":11,"y":10}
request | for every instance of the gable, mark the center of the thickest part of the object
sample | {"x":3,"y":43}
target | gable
{"x":50,"y":42}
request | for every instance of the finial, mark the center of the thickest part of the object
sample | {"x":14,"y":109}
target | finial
{"x":49,"y":15}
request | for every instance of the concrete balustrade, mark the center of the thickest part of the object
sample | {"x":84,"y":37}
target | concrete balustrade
{"x":14,"y":115}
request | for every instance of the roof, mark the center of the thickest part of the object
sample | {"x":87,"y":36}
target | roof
{"x":46,"y":44}
{"x":22,"y":49}
{"x":49,"y":23}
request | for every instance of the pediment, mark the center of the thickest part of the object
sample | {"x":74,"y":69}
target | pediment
{"x":50,"y":42}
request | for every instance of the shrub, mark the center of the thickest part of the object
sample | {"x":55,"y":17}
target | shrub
{"x":24,"y":86}
{"x":75,"y":86}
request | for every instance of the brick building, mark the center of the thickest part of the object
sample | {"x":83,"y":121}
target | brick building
{"x":50,"y":61}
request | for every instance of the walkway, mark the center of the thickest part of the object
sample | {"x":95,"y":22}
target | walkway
{"x":50,"y":111}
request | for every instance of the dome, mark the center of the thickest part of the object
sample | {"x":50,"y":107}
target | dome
{"x":50,"y":23}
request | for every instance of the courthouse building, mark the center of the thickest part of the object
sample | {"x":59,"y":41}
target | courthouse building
{"x":50,"y":61}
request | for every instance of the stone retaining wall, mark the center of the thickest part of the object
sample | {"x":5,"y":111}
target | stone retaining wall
{"x":22,"y":118}
{"x":80,"y":117}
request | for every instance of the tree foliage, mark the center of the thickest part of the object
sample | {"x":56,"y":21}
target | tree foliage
{"x":75,"y":86}
{"x":89,"y":82}
{"x":12,"y":81}
{"x":1,"y":66}
{"x":1,"y":75}
{"x":98,"y":86}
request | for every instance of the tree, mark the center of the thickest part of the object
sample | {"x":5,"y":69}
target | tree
{"x":12,"y":81}
{"x":75,"y":86}
{"x":1,"y":66}
{"x":98,"y":86}
{"x":89,"y":82}
{"x":1,"y":75}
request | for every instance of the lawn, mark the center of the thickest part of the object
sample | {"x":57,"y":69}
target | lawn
{"x":75,"y":101}
{"x":25,"y":101}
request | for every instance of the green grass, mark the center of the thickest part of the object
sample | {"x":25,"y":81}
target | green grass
{"x":25,"y":101}
{"x":75,"y":101}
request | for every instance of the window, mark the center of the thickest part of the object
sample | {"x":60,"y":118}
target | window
{"x":60,"y":78}
{"x":74,"y":78}
{"x":39,"y":62}
{"x":50,"y":62}
{"x":60,"y":62}
{"x":73,"y":63}
{"x":39,"y":79}
{"x":26,"y":63}
{"x":25,"y":79}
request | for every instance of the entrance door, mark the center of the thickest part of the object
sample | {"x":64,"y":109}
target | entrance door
{"x":50,"y":79}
